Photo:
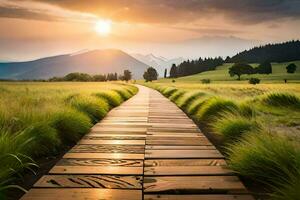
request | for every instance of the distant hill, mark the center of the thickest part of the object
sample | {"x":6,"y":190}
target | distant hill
{"x":91,"y":62}
{"x":158,"y":62}
{"x":281,"y":52}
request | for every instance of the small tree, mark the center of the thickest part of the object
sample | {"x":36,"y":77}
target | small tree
{"x":291,"y":68}
{"x":239,"y":69}
{"x":254,"y":81}
{"x":264,"y":68}
{"x":127,"y":75}
{"x":165,"y":74}
{"x":173,"y":71}
{"x":150,"y":74}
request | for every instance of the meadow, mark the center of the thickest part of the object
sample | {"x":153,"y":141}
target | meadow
{"x":40,"y":119}
{"x":257,"y":127}
{"x":220,"y":75}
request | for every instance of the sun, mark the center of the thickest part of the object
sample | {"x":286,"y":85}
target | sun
{"x":103,"y":27}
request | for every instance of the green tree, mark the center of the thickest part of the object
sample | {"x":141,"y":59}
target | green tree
{"x":173,"y":71}
{"x":239,"y":69}
{"x":291,"y":68}
{"x":77,"y":77}
{"x":150,"y":74}
{"x":264,"y":68}
{"x":127,"y":75}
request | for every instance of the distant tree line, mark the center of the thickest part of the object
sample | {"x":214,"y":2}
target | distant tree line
{"x":83,"y":77}
{"x":280,"y":52}
{"x":195,"y":66}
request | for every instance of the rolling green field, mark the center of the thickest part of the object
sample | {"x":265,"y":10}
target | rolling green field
{"x":257,"y":127}
{"x":41,"y":119}
{"x":221,"y":75}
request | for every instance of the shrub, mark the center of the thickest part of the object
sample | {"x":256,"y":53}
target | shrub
{"x":95,"y":108}
{"x":232,"y":126}
{"x":112,"y":97}
{"x":254,"y":81}
{"x":213,"y":108}
{"x":266,"y":158}
{"x":71,"y":125}
{"x":173,"y":81}
{"x":281,"y":99}
{"x":176,"y":95}
{"x":205,"y":81}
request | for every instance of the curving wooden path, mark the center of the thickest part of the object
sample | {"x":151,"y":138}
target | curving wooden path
{"x":147,"y":149}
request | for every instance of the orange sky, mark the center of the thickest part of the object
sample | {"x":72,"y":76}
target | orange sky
{"x":170,"y":28}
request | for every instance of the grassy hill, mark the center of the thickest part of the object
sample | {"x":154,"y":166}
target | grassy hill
{"x":221,"y":75}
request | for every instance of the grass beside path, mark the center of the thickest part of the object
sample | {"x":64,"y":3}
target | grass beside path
{"x":41,"y":119}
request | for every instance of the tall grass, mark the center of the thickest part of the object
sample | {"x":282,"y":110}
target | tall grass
{"x":213,"y":108}
{"x":177,"y":95}
{"x":266,"y":158}
{"x":168,"y":91}
{"x":281,"y":99}
{"x":38,"y":119}
{"x":232,"y":126}
{"x":188,"y":98}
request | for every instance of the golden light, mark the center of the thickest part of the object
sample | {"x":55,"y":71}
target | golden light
{"x":103,"y":27}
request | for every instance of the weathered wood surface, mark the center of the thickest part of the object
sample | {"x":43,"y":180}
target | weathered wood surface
{"x":147,"y":148}
{"x":82,"y":194}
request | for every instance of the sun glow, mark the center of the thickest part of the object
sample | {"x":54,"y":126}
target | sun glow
{"x":103,"y":27}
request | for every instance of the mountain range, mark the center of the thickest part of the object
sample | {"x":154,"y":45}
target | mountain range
{"x":158,"y":62}
{"x":91,"y":62}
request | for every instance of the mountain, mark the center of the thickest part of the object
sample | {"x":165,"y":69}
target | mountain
{"x":158,"y":62}
{"x":91,"y":62}
{"x":280,"y":52}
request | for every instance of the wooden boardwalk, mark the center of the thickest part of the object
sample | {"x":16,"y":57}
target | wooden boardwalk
{"x":147,"y":149}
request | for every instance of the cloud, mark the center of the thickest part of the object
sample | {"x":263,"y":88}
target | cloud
{"x":176,"y":11}
{"x":12,"y":12}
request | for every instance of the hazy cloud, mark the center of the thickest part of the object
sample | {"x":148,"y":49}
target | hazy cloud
{"x":166,"y":11}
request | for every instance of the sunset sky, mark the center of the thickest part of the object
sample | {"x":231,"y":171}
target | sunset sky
{"x":170,"y":28}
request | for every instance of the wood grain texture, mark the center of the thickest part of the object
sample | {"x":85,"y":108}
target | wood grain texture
{"x":198,"y":197}
{"x":82,"y":194}
{"x":99,"y":162}
{"x":194,"y":184}
{"x":183,"y":154}
{"x":90,"y":181}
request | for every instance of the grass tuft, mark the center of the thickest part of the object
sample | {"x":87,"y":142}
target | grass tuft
{"x":267,"y":158}
{"x":213,"y":108}
{"x":232,"y":126}
{"x":71,"y":125}
{"x":282,"y":100}
{"x":176,"y":95}
{"x":169,"y":91}
{"x":189,"y":98}
{"x":112,"y":97}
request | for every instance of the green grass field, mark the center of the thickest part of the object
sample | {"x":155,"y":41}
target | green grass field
{"x":41,"y":119}
{"x":256,"y":126}
{"x":220,"y":75}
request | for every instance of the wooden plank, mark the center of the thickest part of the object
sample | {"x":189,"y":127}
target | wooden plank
{"x":112,"y":137}
{"x":182,"y":154}
{"x":92,"y":148}
{"x":99,"y":162}
{"x":120,"y":142}
{"x":194,"y":184}
{"x":185,"y":162}
{"x":187,"y":142}
{"x":197,"y":197}
{"x":105,"y":155}
{"x":156,"y":147}
{"x":129,"y":129}
{"x":82,"y":194}
{"x":186,"y":170}
{"x":97,"y":170}
{"x":90,"y":181}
